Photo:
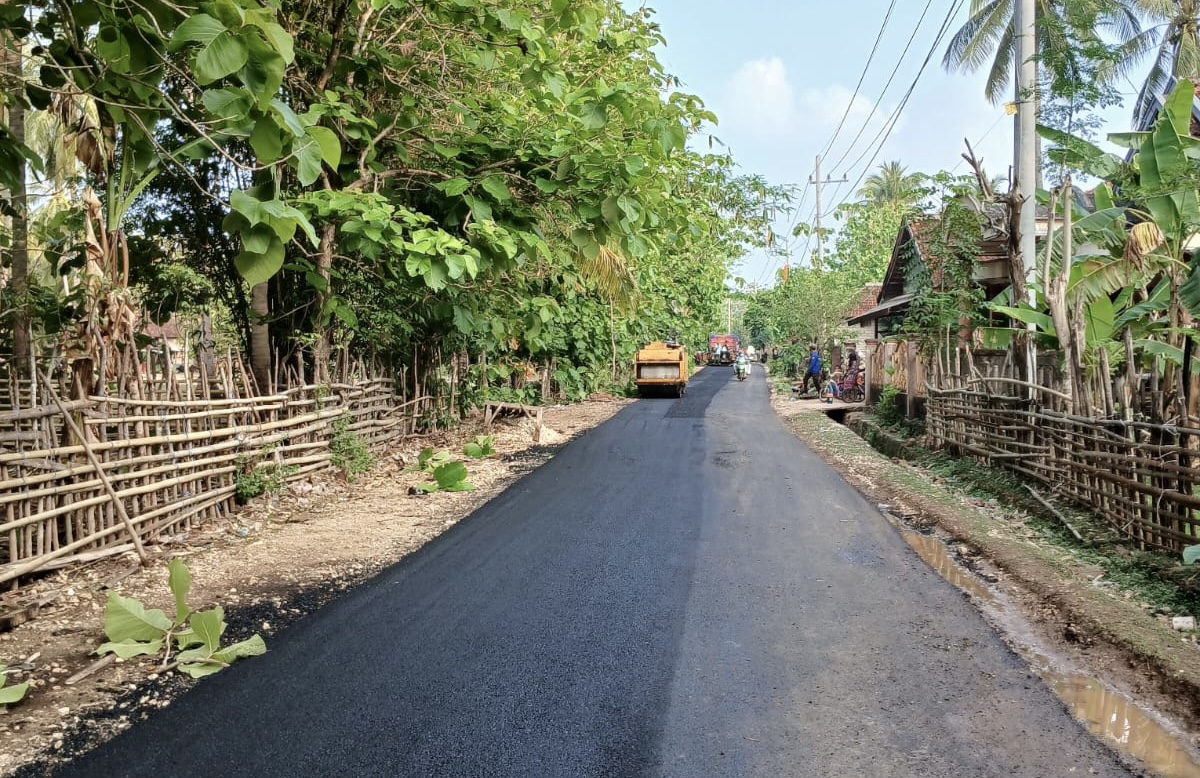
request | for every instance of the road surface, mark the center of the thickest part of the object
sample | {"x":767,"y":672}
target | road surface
{"x":685,"y":591}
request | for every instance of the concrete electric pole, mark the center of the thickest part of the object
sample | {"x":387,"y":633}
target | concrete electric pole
{"x":816,"y":181}
{"x":1025,"y":186}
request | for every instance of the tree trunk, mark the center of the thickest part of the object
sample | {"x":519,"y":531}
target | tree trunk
{"x":10,"y":79}
{"x":204,"y":346}
{"x":323,"y":331}
{"x":260,"y":339}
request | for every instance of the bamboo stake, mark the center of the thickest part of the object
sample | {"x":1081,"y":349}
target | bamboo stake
{"x":108,"y":487}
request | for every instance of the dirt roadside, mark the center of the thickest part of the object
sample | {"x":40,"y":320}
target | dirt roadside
{"x":277,"y":560}
{"x":281,"y":559}
{"x":1100,"y":629}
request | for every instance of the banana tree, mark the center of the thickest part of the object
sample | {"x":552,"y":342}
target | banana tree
{"x":1138,"y":236}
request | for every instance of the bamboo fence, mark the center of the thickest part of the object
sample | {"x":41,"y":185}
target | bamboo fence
{"x":87,"y":478}
{"x":1139,"y":475}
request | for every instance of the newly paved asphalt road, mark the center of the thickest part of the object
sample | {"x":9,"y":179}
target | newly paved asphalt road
{"x":685,"y":591}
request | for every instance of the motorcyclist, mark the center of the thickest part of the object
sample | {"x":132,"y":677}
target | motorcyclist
{"x":743,"y":365}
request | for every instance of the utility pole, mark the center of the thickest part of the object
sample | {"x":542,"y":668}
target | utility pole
{"x":1025,"y":186}
{"x":816,"y":181}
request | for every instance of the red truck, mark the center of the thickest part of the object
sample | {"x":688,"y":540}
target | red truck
{"x":723,"y":349}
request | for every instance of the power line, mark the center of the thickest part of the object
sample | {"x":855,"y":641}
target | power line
{"x":981,"y":139}
{"x":886,"y":131}
{"x":791,"y":226}
{"x":870,"y":57}
{"x":886,"y":86}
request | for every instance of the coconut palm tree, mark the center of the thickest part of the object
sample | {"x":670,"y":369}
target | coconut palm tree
{"x":1171,"y":30}
{"x":989,"y":34}
{"x":891,"y":185}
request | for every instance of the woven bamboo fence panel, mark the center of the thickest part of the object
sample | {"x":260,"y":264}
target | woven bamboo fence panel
{"x":172,"y":455}
{"x":1141,"y":477}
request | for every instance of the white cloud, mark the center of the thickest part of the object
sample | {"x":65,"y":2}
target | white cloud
{"x":760,"y":97}
{"x":760,"y":107}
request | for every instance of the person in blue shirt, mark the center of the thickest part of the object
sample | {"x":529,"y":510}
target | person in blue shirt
{"x":813,"y":373}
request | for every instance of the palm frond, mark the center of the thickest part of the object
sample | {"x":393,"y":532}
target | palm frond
{"x":1001,"y":73}
{"x":1149,"y":99}
{"x":971,"y":45}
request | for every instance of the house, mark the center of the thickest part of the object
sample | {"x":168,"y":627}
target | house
{"x":867,"y":299}
{"x":915,"y":241}
{"x":165,"y":336}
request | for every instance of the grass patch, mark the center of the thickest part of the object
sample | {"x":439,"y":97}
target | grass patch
{"x":1156,"y":579}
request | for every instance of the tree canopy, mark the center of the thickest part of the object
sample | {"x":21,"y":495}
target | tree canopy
{"x":485,"y":176}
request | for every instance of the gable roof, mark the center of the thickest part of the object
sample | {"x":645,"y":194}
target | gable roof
{"x":868,"y":296}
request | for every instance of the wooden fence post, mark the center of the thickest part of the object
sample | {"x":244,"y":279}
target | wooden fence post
{"x":91,"y":455}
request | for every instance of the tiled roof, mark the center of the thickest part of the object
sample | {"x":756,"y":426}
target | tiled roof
{"x":868,"y":297}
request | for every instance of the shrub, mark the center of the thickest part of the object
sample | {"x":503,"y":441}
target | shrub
{"x":349,"y":452}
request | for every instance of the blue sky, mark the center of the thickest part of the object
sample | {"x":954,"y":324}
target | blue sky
{"x":780,"y":76}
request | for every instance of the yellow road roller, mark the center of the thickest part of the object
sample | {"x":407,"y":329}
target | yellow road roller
{"x":661,"y":367}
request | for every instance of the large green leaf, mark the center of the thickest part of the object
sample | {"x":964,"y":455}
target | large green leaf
{"x":1159,"y":349}
{"x":266,"y":140}
{"x":450,"y":474}
{"x":1098,"y":317}
{"x":226,"y":103}
{"x":258,"y":268}
{"x":179,"y":579}
{"x":252,"y":646}
{"x":262,"y":74}
{"x":224,"y":54}
{"x":1041,"y":320}
{"x":200,"y":669}
{"x":197,"y":28}
{"x":209,"y":626}
{"x":495,"y":186}
{"x":1189,"y":291}
{"x":307,"y":154}
{"x":327,"y":140}
{"x":130,"y":648}
{"x":127,"y":619}
{"x":11,"y":694}
{"x":1080,"y":154}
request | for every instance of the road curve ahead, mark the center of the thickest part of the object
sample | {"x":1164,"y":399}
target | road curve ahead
{"x":685,"y":591}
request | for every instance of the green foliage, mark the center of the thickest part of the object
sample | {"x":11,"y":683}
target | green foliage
{"x":483,"y":446}
{"x":256,"y":477}
{"x":348,"y":452}
{"x":945,"y":297}
{"x":429,"y":460}
{"x":502,"y":179}
{"x":195,"y":637}
{"x":865,"y":240}
{"x":447,"y":477}
{"x":11,"y":694}
{"x":888,"y":410}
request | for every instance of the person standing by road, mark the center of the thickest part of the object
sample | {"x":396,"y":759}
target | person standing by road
{"x":852,"y":365}
{"x":813,"y":372}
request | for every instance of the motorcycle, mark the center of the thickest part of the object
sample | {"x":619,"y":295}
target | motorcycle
{"x":742,"y":369}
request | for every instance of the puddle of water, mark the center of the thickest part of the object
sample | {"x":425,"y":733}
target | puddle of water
{"x":1107,"y":714}
{"x":934,"y":552}
{"x":1113,"y":718}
